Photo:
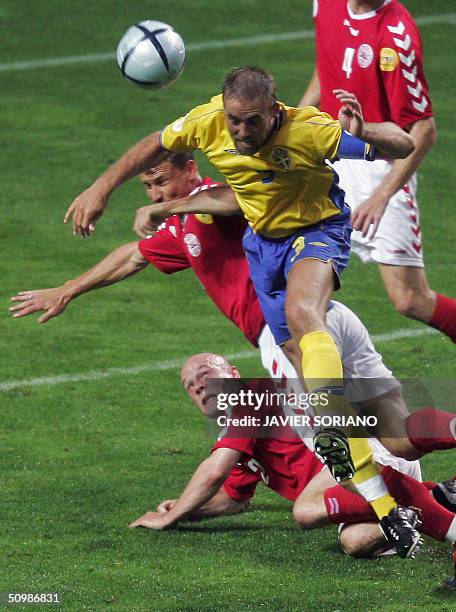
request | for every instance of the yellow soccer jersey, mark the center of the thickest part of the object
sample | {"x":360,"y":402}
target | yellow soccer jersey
{"x":286,"y":184}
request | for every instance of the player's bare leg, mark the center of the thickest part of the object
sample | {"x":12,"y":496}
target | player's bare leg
{"x":362,"y":540}
{"x":309,"y":287}
{"x":409,"y":291}
{"x":309,"y":509}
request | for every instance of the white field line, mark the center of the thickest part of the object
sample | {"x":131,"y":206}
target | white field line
{"x":262,"y":39}
{"x":172,"y":364}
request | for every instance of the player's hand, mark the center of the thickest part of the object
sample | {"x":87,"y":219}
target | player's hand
{"x":166,"y":506}
{"x":367,"y":216}
{"x":52,"y":301}
{"x":148,"y":219}
{"x":151,"y":520}
{"x":86,"y":209}
{"x":350,"y":114}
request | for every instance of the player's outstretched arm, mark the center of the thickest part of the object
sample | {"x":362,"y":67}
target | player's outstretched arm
{"x":203,"y":485}
{"x":221,"y":504}
{"x":390,"y":140}
{"x":121,"y":263}
{"x":90,"y":205}
{"x":216,"y":201}
{"x":311,"y":96}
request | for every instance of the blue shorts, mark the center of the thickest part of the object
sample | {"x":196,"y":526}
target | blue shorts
{"x":270,"y":261}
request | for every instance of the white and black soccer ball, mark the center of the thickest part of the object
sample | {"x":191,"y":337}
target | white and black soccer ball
{"x":151,"y":54}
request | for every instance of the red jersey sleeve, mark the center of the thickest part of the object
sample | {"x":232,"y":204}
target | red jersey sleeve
{"x":400,"y":66}
{"x":242,"y":480}
{"x":163,"y":250}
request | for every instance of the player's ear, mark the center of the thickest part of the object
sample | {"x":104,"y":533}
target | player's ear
{"x":191,"y":168}
{"x":235,"y":372}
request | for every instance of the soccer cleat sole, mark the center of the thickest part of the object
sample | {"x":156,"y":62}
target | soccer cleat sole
{"x":331,"y":445}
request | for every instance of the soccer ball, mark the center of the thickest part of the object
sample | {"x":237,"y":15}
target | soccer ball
{"x":151,"y":54}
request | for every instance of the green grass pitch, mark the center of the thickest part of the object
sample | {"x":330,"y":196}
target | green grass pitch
{"x":79,"y":460}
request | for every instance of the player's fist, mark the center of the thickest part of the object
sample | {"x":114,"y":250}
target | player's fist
{"x":148,"y":219}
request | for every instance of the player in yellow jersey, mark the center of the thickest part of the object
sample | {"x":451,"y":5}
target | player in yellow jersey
{"x":274,"y":159}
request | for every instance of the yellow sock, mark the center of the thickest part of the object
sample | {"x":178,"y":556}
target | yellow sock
{"x":320,"y":360}
{"x":368,"y":480}
{"x":321,"y":367}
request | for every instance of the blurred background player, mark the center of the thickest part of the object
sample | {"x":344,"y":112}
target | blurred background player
{"x":373,"y":48}
{"x":226,"y":481}
{"x":274,"y":158}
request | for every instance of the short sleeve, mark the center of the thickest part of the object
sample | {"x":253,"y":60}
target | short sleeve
{"x":326,"y":136}
{"x":181,"y":135}
{"x":241,"y":484}
{"x":164,"y":251}
{"x":401,"y":70}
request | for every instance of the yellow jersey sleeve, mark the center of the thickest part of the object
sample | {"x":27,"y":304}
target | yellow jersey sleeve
{"x":196,"y":129}
{"x":314,"y":134}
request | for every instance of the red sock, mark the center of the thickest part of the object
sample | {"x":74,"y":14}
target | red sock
{"x":409,"y":492}
{"x":444,"y":316}
{"x":343,"y":506}
{"x":430,"y":429}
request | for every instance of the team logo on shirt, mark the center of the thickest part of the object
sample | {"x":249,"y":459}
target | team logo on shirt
{"x":298,"y":245}
{"x":389,"y":59}
{"x":281,"y":157}
{"x":193,"y":245}
{"x":204,"y":218}
{"x":179,"y":124}
{"x":365,"y":55}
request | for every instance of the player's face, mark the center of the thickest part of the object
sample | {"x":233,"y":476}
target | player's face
{"x":249,"y":122}
{"x":168,"y":182}
{"x":199,"y":377}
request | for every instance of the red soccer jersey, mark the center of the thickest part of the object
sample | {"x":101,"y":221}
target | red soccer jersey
{"x":377,"y":56}
{"x":272,"y":453}
{"x":285,"y":465}
{"x":212,"y":246}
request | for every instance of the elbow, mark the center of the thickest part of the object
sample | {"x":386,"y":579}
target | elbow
{"x":407,"y":148}
{"x":215,"y":477}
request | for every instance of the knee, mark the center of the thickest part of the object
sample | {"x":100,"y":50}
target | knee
{"x":307,"y":516}
{"x":351,"y":545}
{"x":301,"y":317}
{"x":401,"y":447}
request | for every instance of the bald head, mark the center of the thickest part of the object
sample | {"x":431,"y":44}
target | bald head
{"x":199,"y":369}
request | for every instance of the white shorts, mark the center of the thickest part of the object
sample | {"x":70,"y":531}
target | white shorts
{"x":359,"y":358}
{"x":398,"y":238}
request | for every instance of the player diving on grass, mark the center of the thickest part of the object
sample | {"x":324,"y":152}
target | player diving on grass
{"x":298,"y":240}
{"x":243,"y":456}
{"x":210,"y":243}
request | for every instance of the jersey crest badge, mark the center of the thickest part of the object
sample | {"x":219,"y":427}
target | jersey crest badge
{"x":281,"y":157}
{"x":365,"y":55}
{"x":389,"y":59}
{"x":179,"y":124}
{"x":193,"y":245}
{"x":204,"y":218}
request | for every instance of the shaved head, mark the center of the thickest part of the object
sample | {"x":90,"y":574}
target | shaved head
{"x":196,"y":373}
